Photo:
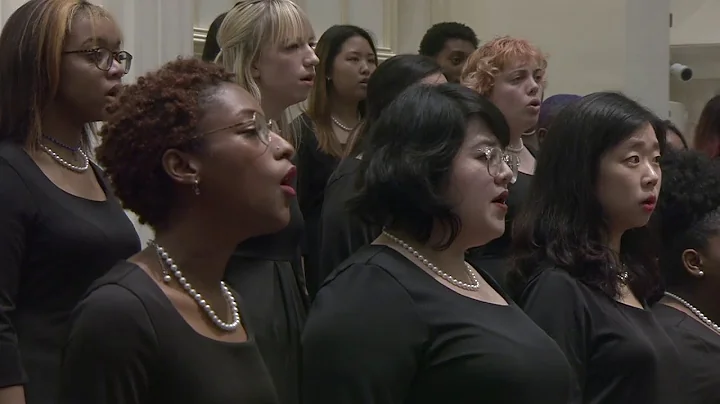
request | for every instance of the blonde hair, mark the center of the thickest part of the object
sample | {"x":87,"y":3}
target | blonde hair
{"x":249,"y":26}
{"x":494,"y":57}
{"x":32,"y":44}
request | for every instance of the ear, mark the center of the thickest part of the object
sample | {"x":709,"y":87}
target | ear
{"x":255,"y":71}
{"x":541,"y":134}
{"x":693,"y":263}
{"x":181,"y":167}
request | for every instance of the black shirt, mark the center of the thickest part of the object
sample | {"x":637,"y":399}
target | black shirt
{"x":129,"y":345}
{"x":620,"y":353}
{"x":383,"y":331}
{"x":342,"y":232}
{"x":53,"y":245}
{"x":699,"y":349}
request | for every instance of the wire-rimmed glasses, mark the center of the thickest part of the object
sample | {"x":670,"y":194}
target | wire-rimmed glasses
{"x":496,"y":158}
{"x":104,"y":58}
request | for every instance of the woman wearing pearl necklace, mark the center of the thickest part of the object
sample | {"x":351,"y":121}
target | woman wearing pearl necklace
{"x":689,"y":218}
{"x":406,"y":319}
{"x":190,"y":152}
{"x":511,"y":72}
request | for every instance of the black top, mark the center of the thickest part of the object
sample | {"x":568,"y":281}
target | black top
{"x":383,"y":331}
{"x":53,"y":245}
{"x":314,"y":169}
{"x":129,"y":345}
{"x":493,"y":257}
{"x":342,"y":232}
{"x":620,"y":353}
{"x":267,"y":272}
{"x":699,"y":349}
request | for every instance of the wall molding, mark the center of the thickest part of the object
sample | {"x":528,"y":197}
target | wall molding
{"x":199,"y":35}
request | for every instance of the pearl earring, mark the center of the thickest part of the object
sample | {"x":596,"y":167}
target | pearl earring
{"x":701,"y":274}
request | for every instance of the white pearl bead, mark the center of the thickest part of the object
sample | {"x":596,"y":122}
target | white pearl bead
{"x":694,"y":311}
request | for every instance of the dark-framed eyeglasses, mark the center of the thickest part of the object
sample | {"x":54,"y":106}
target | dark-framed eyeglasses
{"x":262,"y":127}
{"x":497,"y":159}
{"x":104,"y":58}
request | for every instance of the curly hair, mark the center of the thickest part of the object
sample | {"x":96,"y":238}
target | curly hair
{"x":434,"y":39}
{"x":160,"y":112}
{"x":687,"y":213}
{"x":495,"y":56}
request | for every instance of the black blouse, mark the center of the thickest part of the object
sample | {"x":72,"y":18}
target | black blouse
{"x":620,"y":353}
{"x":53,"y":245}
{"x":383,"y":331}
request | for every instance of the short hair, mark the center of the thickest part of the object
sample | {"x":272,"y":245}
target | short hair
{"x":563,"y":224}
{"x":211,"y":47}
{"x":670,"y":126}
{"x":31,"y":45}
{"x":434,"y":40}
{"x":318,"y":105}
{"x":495,"y":56}
{"x":159,"y":112}
{"x":688,"y":210}
{"x":390,"y":79}
{"x":707,"y":131}
{"x":404,"y":171}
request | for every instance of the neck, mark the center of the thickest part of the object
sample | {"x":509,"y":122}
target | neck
{"x":58,"y":125}
{"x":532,"y":141}
{"x":197,"y":248}
{"x":516,"y":141}
{"x":345,"y":112}
{"x":614,"y":242}
{"x":272,"y":109}
{"x":701,"y":298}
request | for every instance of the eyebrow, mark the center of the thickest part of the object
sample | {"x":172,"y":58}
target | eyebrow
{"x":637,"y":144}
{"x":98,"y":41}
{"x":485,"y":142}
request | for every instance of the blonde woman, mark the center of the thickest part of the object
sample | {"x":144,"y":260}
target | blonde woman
{"x":511,"y":73}
{"x":268,"y":44}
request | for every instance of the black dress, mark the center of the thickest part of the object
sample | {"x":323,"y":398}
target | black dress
{"x":342,"y":232}
{"x":53,"y":245}
{"x":493,"y":257}
{"x":620,"y":353}
{"x":699,"y":349}
{"x":314,"y":169}
{"x":129,"y":345}
{"x":383,"y":331}
{"x":267,"y":272}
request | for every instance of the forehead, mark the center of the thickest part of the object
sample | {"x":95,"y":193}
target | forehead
{"x":229,"y":104}
{"x":457,"y":45}
{"x":478,"y":134}
{"x":93,"y":30}
{"x":643,"y":138}
{"x":355,"y":43}
{"x":528,"y":64}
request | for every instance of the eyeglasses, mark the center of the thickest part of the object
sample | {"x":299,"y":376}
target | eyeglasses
{"x":104,"y":58}
{"x":263,"y":127}
{"x":496,"y":159}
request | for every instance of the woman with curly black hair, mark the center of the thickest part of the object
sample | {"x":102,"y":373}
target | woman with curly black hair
{"x":584,"y":264}
{"x":190,"y":152}
{"x":688,"y":216}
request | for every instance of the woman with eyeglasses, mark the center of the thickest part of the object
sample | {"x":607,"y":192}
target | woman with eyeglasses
{"x":191,"y":153}
{"x":60,"y":224}
{"x":406,"y":319}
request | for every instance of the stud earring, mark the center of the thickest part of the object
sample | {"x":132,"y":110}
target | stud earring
{"x":196,"y":187}
{"x":701,"y":274}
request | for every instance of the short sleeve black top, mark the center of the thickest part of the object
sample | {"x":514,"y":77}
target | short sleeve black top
{"x":620,"y":353}
{"x":383,"y":331}
{"x":699,"y":349}
{"x":129,"y":345}
{"x":53,"y":245}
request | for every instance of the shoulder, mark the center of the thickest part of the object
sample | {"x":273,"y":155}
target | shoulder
{"x":552,"y":286}
{"x":15,"y":189}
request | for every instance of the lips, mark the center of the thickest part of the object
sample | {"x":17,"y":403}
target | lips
{"x":649,"y":203}
{"x":310,"y":78}
{"x":114,"y":91}
{"x":289,"y":177}
{"x":501,"y":198}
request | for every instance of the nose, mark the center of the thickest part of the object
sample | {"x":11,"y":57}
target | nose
{"x":312,"y":58}
{"x":505,"y":176}
{"x":652,"y":175}
{"x":281,"y":148}
{"x":116,"y":69}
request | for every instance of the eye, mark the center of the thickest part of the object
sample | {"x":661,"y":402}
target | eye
{"x":633,"y":160}
{"x":657,"y":159}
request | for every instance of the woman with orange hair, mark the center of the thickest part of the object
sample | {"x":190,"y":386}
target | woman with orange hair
{"x":511,"y":73}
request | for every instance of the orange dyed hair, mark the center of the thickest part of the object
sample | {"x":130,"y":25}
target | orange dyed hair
{"x":494,"y":57}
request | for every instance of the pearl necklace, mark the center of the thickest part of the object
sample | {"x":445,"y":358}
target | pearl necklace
{"x":516,"y":149}
{"x":65,"y":163}
{"x":168,"y":263}
{"x":471,"y":274}
{"x":340,"y":125}
{"x":695,"y":311}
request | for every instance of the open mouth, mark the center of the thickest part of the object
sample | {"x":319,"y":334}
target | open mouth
{"x":114,"y":91}
{"x":649,"y":203}
{"x":289,"y":178}
{"x":502,"y":198}
{"x":534,"y":103}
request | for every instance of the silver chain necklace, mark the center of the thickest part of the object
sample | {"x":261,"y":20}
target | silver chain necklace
{"x":340,"y":125}
{"x":475,"y":285}
{"x":72,"y":167}
{"x":694,"y":311}
{"x":170,"y":266}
